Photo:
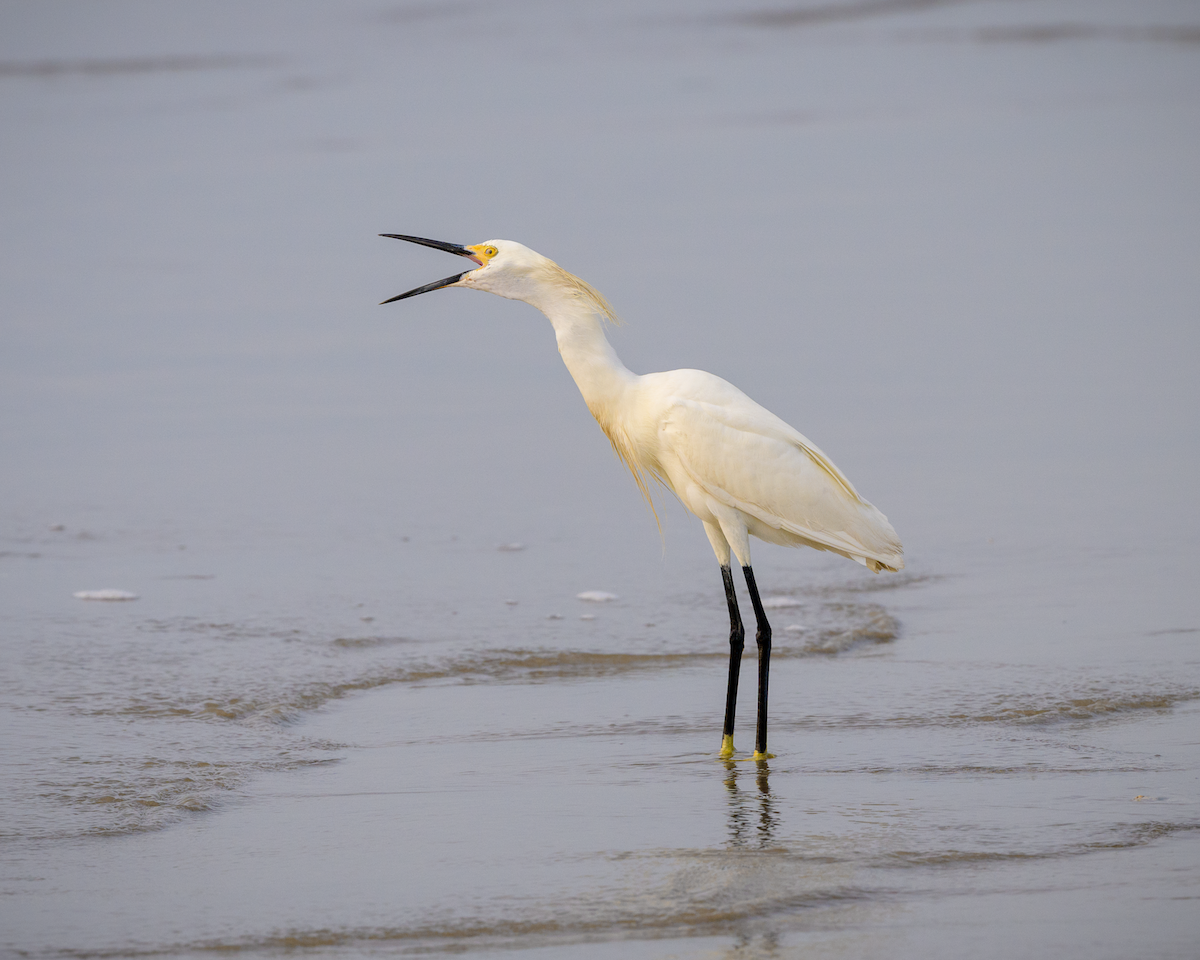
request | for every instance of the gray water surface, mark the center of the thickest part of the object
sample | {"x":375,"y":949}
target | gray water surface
{"x":357,"y":707}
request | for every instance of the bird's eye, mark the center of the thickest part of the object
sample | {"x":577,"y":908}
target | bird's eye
{"x":490,"y":251}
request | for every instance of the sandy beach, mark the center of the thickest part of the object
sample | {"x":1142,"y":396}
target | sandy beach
{"x":352,"y":703}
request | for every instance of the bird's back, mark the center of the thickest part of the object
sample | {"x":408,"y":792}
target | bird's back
{"x":703,"y":437}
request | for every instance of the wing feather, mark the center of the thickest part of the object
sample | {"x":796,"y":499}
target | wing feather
{"x":749,"y":459}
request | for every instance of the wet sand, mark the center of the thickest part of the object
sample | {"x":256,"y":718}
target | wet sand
{"x":357,"y":706}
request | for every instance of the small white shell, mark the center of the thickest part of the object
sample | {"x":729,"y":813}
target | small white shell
{"x":104,"y":595}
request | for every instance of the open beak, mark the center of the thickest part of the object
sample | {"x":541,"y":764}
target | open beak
{"x":437,"y":245}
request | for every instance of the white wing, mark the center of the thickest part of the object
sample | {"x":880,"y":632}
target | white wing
{"x":747,"y":458}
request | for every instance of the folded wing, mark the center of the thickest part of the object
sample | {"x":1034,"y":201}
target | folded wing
{"x":747,"y":458}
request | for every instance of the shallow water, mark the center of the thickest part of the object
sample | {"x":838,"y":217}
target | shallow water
{"x":358,"y":706}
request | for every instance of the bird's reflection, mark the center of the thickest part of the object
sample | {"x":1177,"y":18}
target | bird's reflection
{"x":753,"y":819}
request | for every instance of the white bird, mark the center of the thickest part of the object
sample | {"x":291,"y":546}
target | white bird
{"x":735,"y":465}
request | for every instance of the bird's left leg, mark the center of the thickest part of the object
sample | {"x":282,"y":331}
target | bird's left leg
{"x":763,"y":637}
{"x":737,"y":635}
{"x":737,"y":641}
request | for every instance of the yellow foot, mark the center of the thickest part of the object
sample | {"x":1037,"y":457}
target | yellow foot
{"x":726,"y":747}
{"x":762,"y":756}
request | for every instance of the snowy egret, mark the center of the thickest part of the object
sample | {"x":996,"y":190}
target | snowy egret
{"x":735,"y":465}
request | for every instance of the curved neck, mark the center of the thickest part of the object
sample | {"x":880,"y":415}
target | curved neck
{"x":597,"y":370}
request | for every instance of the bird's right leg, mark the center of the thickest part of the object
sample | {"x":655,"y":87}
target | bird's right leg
{"x":737,"y":640}
{"x":763,"y":637}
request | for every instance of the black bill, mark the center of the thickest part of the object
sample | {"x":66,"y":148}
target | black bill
{"x":437,"y":245}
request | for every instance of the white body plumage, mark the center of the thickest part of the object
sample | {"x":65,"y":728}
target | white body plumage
{"x":735,"y":465}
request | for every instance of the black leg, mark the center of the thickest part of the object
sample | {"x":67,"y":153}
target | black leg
{"x":763,"y":637}
{"x":737,"y":640}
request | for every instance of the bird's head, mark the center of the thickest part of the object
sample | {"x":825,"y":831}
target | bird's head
{"x":504,"y":268}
